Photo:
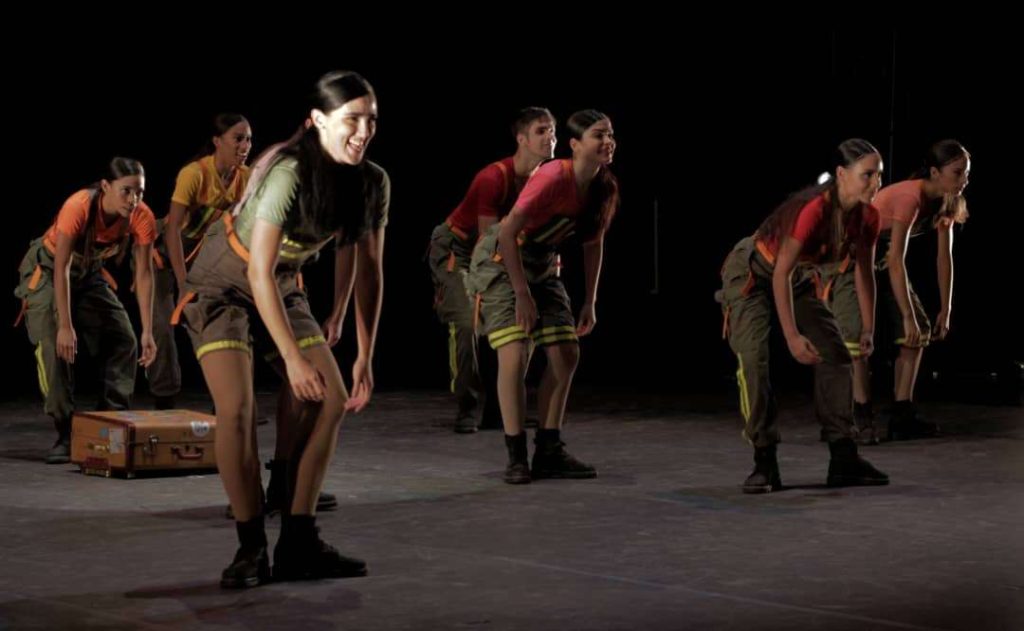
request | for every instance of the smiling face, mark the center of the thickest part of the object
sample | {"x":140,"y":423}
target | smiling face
{"x":346,"y":132}
{"x":233,"y":146}
{"x":539,"y":139}
{"x":597,"y":144}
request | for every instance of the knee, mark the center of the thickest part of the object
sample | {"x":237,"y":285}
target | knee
{"x":332,"y":408}
{"x":563,"y":360}
{"x":234,"y":420}
{"x":570,"y":354}
{"x":513,"y":356}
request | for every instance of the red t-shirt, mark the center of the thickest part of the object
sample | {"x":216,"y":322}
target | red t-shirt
{"x":809,"y":228}
{"x":490,"y":195}
{"x":551,"y":203}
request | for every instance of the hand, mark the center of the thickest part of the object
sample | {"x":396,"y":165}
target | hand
{"x":941,"y":328}
{"x":306,"y":381}
{"x":911,"y":332}
{"x":362,"y":386}
{"x":526,"y":311}
{"x":803,"y":351}
{"x":867,"y":343}
{"x":587,"y":320}
{"x":67,"y":344}
{"x":148,"y":346}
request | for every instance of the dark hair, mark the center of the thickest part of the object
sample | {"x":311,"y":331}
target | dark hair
{"x":321,"y":180}
{"x":221,"y":124}
{"x":603,"y":197}
{"x":117,"y":168}
{"x":526,"y":116}
{"x":780,"y":222}
{"x":940,"y":154}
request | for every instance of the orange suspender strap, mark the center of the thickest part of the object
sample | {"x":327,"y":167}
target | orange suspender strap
{"x":233,"y":240}
{"x":195,"y":250}
{"x":107,"y":277}
{"x":176,"y":316}
{"x":762,"y":247}
{"x":505,"y":179}
{"x":33,"y":282}
{"x":158,"y":261}
{"x":728,"y":309}
{"x":845,"y":265}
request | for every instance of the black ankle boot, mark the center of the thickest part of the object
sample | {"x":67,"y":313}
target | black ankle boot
{"x":300,"y":554}
{"x":251,"y":566}
{"x":518,"y":469}
{"x":551,"y":460}
{"x":765,"y":477}
{"x":906,"y":425}
{"x":847,"y":468}
{"x":60,"y":453}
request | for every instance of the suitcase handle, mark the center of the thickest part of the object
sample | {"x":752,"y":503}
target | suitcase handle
{"x":184,"y":456}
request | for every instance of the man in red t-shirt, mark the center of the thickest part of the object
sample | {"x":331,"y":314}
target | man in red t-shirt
{"x":489,"y":198}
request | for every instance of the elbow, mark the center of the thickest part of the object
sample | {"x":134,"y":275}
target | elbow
{"x":256,"y":276}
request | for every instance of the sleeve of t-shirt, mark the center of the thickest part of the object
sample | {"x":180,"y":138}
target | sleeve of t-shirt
{"x":186,"y":188}
{"x":143,"y":225}
{"x":903,"y":208}
{"x":276,"y":193}
{"x":380,"y":215}
{"x":808,"y":219}
{"x":74,"y":214}
{"x":540,"y":190}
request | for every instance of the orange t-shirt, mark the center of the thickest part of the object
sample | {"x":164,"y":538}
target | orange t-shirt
{"x":905,"y":202}
{"x":73,"y":215}
{"x":900,"y":202}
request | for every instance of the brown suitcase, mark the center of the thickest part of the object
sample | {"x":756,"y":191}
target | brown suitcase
{"x":127,"y":442}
